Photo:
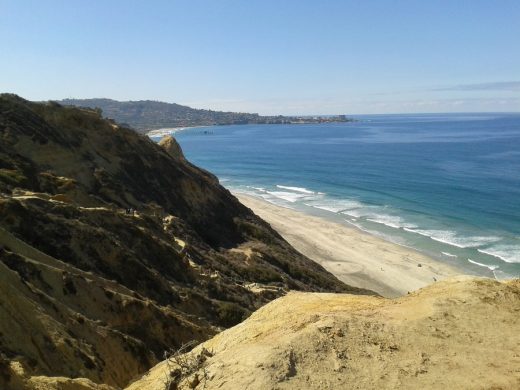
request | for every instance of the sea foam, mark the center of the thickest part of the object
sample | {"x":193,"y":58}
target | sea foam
{"x":296,"y":189}
{"x":507,"y":253}
{"x":335,"y":205}
{"x":393,"y":221}
{"x":501,"y":275}
{"x":386,"y":237}
{"x":261,"y":189}
{"x":490,"y":267}
{"x":451,"y":238}
{"x":288,"y":196}
{"x":448,"y":254}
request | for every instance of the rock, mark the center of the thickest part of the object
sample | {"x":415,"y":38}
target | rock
{"x":172,"y":147}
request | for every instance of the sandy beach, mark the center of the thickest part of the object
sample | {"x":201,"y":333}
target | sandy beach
{"x":170,"y":130}
{"x":355,"y":257}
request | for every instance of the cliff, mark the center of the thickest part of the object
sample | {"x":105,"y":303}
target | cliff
{"x":456,"y":334}
{"x":114,"y":249}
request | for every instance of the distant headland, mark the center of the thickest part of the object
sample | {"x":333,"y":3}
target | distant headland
{"x":145,"y":115}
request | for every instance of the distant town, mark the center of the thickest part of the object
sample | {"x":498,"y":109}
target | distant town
{"x":319,"y":119}
{"x":147,"y":115}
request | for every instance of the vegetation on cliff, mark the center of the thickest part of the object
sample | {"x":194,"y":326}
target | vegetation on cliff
{"x":149,"y":115}
{"x":114,"y":249}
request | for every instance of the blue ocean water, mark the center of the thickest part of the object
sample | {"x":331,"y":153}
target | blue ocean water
{"x":445,"y":184}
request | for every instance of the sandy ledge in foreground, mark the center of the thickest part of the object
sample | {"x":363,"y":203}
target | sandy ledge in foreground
{"x":354,"y":257}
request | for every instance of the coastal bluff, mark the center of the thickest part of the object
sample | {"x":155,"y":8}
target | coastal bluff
{"x":115,"y":250}
{"x":461,"y":333}
{"x":124,"y":266}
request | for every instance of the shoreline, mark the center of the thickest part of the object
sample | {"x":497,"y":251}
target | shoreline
{"x":355,"y":257}
{"x":170,"y":130}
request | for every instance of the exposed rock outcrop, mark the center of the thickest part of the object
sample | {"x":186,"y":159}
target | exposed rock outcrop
{"x":172,"y":147}
{"x":114,"y":249}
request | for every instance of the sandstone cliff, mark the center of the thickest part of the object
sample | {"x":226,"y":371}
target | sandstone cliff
{"x":456,"y":334}
{"x":114,"y":249}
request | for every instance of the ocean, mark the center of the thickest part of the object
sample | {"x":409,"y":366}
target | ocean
{"x":447,"y":185}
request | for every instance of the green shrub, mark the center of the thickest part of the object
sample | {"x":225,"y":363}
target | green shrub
{"x":230,"y":314}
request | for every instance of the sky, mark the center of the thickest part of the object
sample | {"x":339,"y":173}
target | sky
{"x":271,"y":57}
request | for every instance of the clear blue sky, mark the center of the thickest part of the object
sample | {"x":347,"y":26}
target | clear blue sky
{"x":284,"y":56}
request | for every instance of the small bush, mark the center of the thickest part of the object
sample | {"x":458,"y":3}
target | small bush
{"x":186,"y":370}
{"x":230,"y":314}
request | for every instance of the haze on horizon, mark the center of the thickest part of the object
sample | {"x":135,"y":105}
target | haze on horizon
{"x":271,"y":57}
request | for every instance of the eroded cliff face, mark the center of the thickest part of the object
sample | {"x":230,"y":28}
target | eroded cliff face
{"x":89,"y":289}
{"x":456,"y":334}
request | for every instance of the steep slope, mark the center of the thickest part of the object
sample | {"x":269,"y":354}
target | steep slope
{"x":456,"y":334}
{"x":90,"y":289}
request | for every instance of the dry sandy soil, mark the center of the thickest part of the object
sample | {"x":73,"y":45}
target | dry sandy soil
{"x":462,"y":333}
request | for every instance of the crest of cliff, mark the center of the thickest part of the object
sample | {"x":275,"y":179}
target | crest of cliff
{"x":455,"y":334}
{"x":114,"y":249}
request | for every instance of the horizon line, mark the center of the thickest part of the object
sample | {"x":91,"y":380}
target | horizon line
{"x":250,"y":112}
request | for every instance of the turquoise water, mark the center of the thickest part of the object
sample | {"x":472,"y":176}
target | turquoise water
{"x":445,"y":184}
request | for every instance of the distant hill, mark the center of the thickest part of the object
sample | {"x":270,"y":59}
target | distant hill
{"x":146,"y":115}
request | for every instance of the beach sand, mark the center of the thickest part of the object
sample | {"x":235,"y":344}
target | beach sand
{"x":353,"y":256}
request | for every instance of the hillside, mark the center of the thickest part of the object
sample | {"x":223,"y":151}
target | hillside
{"x":147,"y":115}
{"x":114,"y":249}
{"x":456,"y":334}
